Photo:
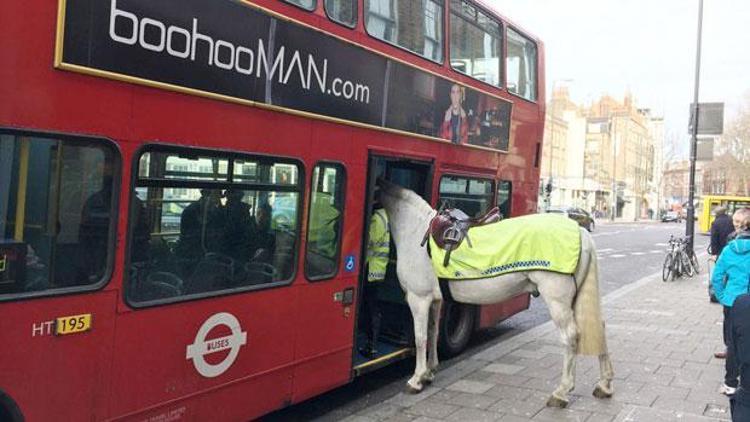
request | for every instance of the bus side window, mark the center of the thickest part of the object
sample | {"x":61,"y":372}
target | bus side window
{"x":196,"y":229}
{"x":504,"y":192}
{"x":416,"y":26}
{"x":325,"y":221}
{"x":308,"y":5}
{"x":57,"y":212}
{"x":521,"y":66}
{"x":342,"y":11}
{"x":472,"y":196}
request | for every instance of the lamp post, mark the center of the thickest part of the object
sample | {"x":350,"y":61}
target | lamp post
{"x":690,"y":226}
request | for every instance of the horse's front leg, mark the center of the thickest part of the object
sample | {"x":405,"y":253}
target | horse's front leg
{"x":432,"y":339}
{"x":420,"y":311}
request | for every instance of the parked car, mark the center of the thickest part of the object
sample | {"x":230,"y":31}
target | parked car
{"x":671,"y":216}
{"x":583,"y":218}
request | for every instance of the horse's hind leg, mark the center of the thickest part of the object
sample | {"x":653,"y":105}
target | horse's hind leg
{"x":432,"y":339}
{"x":604,"y":388}
{"x":420,"y":311}
{"x":558,"y":291}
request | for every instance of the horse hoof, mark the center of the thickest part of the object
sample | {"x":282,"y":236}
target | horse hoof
{"x":557,"y":402}
{"x":428,"y":378}
{"x":599,"y":393}
{"x":412,"y":390}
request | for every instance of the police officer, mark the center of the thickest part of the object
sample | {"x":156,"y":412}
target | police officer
{"x":378,"y":249}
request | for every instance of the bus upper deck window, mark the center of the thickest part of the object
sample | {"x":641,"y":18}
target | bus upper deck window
{"x":476,"y":43}
{"x":521,"y":68}
{"x":57,"y":213}
{"x":305,"y":4}
{"x":416,"y":26}
{"x":342,"y":11}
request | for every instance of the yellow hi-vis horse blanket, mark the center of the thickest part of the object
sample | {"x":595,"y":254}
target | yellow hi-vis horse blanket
{"x":547,"y":242}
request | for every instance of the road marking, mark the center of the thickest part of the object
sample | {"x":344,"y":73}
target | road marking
{"x":606,"y":250}
{"x":617,"y":256}
{"x":660,"y":244}
{"x":654,"y":251}
{"x":638,"y":253}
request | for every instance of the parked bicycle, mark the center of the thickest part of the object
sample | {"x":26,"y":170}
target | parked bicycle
{"x":679,"y":261}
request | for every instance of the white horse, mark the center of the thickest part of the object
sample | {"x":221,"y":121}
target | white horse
{"x":573,"y":300}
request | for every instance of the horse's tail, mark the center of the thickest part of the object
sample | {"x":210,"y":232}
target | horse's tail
{"x":587,"y":307}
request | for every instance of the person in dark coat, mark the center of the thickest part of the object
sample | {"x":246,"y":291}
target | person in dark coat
{"x":721,"y":228}
{"x":739,"y":322}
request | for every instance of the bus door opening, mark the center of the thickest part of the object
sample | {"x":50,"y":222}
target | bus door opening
{"x":384,"y":326}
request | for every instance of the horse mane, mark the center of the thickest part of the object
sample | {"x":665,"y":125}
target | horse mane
{"x":408,"y":196}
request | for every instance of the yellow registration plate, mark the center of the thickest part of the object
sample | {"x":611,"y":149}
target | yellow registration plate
{"x":73,"y":324}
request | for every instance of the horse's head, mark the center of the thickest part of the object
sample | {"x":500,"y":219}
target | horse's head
{"x":402,"y":205}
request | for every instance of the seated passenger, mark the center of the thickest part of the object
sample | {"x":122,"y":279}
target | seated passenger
{"x":140,"y":249}
{"x":263,"y":238}
{"x":240,"y":227}
{"x":93,"y":233}
{"x":202,"y":225}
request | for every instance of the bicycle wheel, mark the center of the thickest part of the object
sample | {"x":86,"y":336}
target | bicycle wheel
{"x":676,"y":266}
{"x":666,"y":270}
{"x":687,"y":267}
{"x":694,"y":261}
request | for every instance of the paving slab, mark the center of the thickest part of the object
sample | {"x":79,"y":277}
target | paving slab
{"x":661,"y":337}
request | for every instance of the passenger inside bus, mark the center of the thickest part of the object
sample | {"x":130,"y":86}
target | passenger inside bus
{"x":93,"y":232}
{"x":202,"y":226}
{"x":240,"y":226}
{"x":263,"y":238}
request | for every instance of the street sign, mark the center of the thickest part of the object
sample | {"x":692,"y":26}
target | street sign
{"x":705,"y":150}
{"x":710,"y":118}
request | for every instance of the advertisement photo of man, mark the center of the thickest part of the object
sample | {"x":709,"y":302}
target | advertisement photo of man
{"x":455,"y":126}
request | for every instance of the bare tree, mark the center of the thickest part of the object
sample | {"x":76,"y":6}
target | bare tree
{"x":733,"y":149}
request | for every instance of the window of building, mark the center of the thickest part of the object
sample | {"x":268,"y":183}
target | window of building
{"x":472,"y":196}
{"x":416,"y":25}
{"x":305,"y":4}
{"x":342,"y":11}
{"x":521,"y":66}
{"x":325,"y":221}
{"x":57,"y":213}
{"x":476,"y":43}
{"x":226,"y":223}
{"x":504,"y":192}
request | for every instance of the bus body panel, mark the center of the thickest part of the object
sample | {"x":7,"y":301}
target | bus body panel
{"x":160,"y":338}
{"x":49,"y":375}
{"x":705,"y":212}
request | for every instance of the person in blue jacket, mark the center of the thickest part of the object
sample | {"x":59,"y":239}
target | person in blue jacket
{"x":731,"y":278}
{"x":739,"y":331}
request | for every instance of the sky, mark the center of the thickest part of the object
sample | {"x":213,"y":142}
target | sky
{"x":647,"y":47}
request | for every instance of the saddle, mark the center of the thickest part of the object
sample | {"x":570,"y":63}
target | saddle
{"x":451,"y":226}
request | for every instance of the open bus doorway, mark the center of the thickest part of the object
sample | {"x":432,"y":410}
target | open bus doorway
{"x":395,"y":335}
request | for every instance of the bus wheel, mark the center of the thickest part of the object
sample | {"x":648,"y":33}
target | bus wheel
{"x":456,"y":328}
{"x":9,"y":411}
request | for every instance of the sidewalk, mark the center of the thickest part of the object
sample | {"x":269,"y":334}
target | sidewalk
{"x":661,"y":336}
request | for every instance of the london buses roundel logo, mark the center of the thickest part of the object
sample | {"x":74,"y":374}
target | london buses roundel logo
{"x":202,"y":347}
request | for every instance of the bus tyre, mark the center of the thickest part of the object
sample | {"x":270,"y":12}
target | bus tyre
{"x":9,"y":410}
{"x":456,"y":327}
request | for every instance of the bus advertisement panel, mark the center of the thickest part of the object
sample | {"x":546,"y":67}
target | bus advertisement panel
{"x":230,"y":51}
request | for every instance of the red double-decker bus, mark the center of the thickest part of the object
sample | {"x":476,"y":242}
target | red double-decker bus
{"x":186,"y":188}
